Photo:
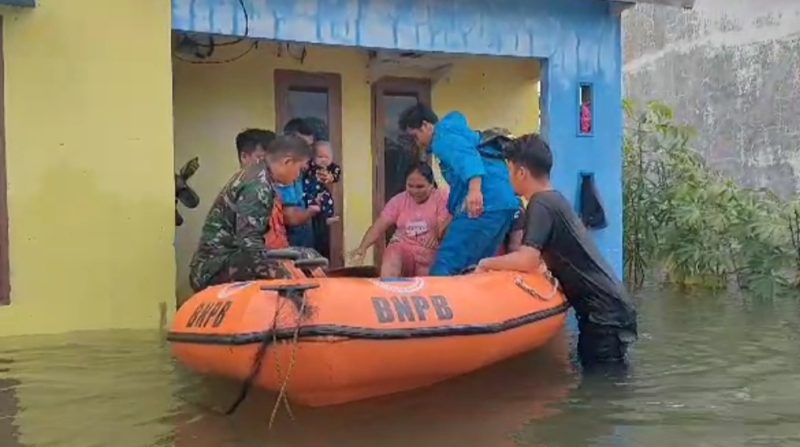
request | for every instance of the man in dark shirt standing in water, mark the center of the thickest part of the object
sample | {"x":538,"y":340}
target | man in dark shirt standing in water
{"x":554,"y":234}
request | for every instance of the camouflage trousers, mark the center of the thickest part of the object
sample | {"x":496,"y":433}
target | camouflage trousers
{"x":248,"y":266}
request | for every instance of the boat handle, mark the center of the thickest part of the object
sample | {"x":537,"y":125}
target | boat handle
{"x":290,"y":287}
{"x":519,"y":282}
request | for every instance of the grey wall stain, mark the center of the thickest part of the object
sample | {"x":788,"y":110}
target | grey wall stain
{"x":730,"y":68}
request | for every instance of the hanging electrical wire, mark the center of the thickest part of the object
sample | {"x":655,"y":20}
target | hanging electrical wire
{"x":211,"y":45}
{"x":238,"y":39}
{"x":244,"y":53}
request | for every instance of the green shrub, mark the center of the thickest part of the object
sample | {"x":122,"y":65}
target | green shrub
{"x":697,"y":227}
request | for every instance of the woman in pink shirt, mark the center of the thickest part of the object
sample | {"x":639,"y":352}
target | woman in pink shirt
{"x":421,"y":217}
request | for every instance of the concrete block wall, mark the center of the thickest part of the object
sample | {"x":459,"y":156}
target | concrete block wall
{"x":731,"y":68}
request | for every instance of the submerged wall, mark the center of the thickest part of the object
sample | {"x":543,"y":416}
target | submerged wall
{"x":731,"y":68}
{"x":88,"y":118}
{"x":214,"y":102}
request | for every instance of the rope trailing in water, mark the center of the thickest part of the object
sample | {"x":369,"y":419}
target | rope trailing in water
{"x":292,"y":360}
{"x":258,"y":360}
{"x":260,"y":355}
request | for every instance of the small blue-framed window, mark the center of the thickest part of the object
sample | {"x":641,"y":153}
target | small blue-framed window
{"x":585,"y":109}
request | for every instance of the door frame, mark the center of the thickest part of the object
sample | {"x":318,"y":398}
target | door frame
{"x":5,"y":271}
{"x":286,"y":80}
{"x":388,"y":85}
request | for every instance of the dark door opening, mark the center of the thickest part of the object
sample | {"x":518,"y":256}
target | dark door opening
{"x":392,"y":152}
{"x":319,"y":95}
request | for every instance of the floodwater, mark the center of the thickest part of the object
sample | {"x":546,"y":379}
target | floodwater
{"x":707,"y":371}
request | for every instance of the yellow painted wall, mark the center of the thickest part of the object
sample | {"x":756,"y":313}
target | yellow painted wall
{"x":90,"y":165}
{"x":491,"y":93}
{"x":214,"y":102}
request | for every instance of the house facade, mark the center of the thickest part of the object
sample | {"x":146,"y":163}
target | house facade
{"x":102,"y":101}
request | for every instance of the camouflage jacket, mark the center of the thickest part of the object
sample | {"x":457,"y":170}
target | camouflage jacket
{"x":238,"y":221}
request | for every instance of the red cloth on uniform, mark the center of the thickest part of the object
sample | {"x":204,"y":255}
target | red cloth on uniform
{"x":276,"y":235}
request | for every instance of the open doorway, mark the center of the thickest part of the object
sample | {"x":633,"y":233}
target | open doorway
{"x":359,"y":93}
{"x":392,"y":151}
{"x":318,"y":95}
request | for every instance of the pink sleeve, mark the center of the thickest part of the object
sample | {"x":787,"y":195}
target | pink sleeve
{"x":391,"y":212}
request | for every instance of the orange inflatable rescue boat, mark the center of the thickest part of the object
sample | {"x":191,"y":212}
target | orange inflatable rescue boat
{"x":327,"y":339}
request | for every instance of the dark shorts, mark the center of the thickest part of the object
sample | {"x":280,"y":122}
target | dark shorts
{"x":301,"y":235}
{"x":322,"y":235}
{"x":603,"y":344}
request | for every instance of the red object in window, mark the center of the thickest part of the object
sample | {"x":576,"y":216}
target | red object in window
{"x":586,"y":118}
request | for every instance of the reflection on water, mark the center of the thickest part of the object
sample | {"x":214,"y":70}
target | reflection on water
{"x":706,"y":371}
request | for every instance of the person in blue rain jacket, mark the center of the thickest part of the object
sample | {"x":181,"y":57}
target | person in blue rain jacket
{"x":482,"y":201}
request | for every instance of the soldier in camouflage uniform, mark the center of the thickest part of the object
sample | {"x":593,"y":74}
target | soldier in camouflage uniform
{"x":232,"y":246}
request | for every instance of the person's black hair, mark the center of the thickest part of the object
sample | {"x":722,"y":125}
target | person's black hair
{"x":414,"y":116}
{"x":425,"y":170}
{"x":531,"y":152}
{"x":298,"y":126}
{"x":318,"y":128}
{"x":289,"y":146}
{"x":251,"y":139}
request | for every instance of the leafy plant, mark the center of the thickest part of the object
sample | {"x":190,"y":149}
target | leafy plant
{"x":794,"y":228}
{"x":699,"y":228}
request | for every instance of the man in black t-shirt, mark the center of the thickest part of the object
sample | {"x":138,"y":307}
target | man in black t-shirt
{"x":554,"y":234}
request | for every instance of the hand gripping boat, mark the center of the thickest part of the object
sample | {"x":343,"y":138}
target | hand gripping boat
{"x":325,"y":339}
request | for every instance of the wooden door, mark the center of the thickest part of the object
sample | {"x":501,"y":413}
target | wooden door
{"x":305,"y":94}
{"x":392,"y":151}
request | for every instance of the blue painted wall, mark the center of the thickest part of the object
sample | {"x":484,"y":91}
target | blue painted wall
{"x":578,"y":39}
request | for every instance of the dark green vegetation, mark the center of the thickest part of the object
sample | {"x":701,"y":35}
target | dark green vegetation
{"x":695,"y":226}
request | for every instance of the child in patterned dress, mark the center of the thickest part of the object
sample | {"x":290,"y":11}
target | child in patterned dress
{"x":322,"y":172}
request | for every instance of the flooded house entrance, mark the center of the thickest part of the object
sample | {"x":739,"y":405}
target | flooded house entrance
{"x":358,"y":93}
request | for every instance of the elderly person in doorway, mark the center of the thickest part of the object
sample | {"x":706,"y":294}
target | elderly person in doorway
{"x":421,"y":217}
